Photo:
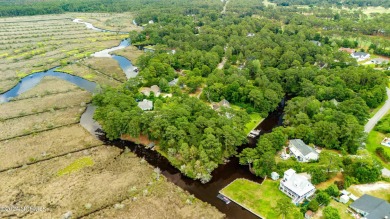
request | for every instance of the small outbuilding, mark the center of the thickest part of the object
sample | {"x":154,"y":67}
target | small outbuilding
{"x":344,"y":192}
{"x":275,"y":176}
{"x":309,"y":214}
{"x":344,"y":199}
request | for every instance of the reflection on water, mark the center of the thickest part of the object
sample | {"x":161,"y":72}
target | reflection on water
{"x":33,"y":80}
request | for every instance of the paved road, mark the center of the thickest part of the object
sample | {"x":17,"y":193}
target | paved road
{"x":382,"y":112}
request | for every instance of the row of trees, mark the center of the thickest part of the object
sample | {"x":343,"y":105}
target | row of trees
{"x":347,"y":3}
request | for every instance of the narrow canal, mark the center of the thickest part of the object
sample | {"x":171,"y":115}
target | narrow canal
{"x":222,"y":176}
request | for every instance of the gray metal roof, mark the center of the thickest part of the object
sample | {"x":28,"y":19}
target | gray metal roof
{"x":380,"y":212}
{"x":173,"y":82}
{"x":302,"y":147}
{"x":376,"y":207}
{"x":360,"y":54}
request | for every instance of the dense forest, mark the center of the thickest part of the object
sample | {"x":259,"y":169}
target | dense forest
{"x":251,"y":55}
{"x":193,"y":136}
{"x":34,"y":7}
{"x":345,"y":3}
{"x":263,"y":60}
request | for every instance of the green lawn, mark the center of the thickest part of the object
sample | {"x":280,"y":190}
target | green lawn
{"x":259,"y":198}
{"x":374,"y":140}
{"x":255,"y":119}
{"x":341,"y":208}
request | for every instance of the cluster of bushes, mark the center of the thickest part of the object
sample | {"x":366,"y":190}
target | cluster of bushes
{"x":383,"y":125}
{"x":381,"y":153}
{"x":323,"y":198}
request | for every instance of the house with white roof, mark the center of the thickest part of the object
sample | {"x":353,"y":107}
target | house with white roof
{"x":297,"y":187}
{"x":145,"y":105}
{"x":301,"y":151}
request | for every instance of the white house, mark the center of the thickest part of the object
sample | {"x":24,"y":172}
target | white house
{"x":296,"y":186}
{"x":344,"y":199}
{"x":301,"y":151}
{"x":360,"y":56}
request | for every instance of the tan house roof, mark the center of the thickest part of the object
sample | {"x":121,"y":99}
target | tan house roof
{"x":348,"y":50}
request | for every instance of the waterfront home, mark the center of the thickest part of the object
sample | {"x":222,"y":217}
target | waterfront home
{"x":371,"y":207}
{"x":297,"y":187}
{"x":301,"y":151}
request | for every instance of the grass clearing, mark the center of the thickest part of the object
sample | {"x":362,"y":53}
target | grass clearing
{"x":341,"y":208}
{"x":108,"y":66}
{"x":39,"y":122}
{"x":131,"y":53}
{"x":268,"y":3}
{"x":48,"y":85}
{"x":115,"y":178}
{"x":28,"y":47}
{"x":379,"y":189}
{"x":374,"y":140}
{"x":76,"y":166}
{"x":43,"y":145}
{"x":255,"y":119}
{"x":110,"y":21}
{"x":90,"y":74}
{"x":260,"y":198}
{"x":324,"y":185}
{"x":43,"y":104}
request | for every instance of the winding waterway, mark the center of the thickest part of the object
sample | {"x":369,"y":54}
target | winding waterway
{"x":208,"y":192}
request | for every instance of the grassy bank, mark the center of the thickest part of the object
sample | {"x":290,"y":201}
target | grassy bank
{"x":255,"y":119}
{"x":374,"y":140}
{"x":259,"y":198}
